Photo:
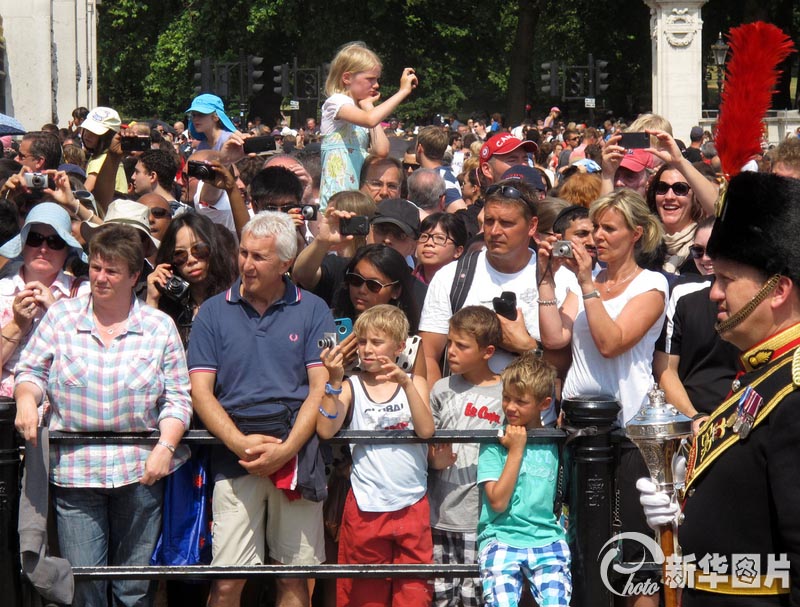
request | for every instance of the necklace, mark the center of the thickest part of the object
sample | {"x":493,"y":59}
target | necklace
{"x":620,"y":282}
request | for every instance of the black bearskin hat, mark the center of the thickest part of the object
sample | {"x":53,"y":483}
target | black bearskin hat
{"x":759,"y":224}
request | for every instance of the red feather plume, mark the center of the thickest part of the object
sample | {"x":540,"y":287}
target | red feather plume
{"x":751,"y":74}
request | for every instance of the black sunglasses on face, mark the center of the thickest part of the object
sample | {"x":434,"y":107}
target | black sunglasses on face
{"x":356,"y":280}
{"x":200,"y":251}
{"x":54,"y":241}
{"x":697,"y":251}
{"x":159,"y":213}
{"x":680,"y":188}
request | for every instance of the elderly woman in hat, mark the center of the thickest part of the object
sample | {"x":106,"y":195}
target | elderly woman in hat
{"x":209,"y":123}
{"x":108,"y":363}
{"x":44,"y":244}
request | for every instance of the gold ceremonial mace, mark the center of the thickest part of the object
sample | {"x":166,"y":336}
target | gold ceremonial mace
{"x":657,"y":431}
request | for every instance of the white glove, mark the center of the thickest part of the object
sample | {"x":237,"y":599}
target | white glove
{"x":659,"y":507}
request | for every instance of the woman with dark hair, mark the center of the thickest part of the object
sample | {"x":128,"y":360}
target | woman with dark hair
{"x":442,"y":239}
{"x":97,"y":131}
{"x":192,"y":264}
{"x":680,"y":195}
{"x":377,"y":274}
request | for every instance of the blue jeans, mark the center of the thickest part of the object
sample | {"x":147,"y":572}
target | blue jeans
{"x":118,"y":526}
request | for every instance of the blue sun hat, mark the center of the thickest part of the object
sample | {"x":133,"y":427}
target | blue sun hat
{"x":209,"y":104}
{"x":50,"y":214}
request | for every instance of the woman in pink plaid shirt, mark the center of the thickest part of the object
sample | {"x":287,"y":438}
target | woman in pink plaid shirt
{"x":108,"y":364}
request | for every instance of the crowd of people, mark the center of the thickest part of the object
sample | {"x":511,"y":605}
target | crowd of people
{"x":365,"y":275}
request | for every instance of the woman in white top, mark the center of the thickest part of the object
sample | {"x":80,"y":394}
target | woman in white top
{"x":612,"y":325}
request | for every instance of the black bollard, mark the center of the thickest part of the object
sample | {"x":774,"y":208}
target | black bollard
{"x":591,"y":494}
{"x":9,"y":505}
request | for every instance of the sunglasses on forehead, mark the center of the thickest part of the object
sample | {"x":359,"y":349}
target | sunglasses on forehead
{"x":356,"y":280}
{"x":506,"y":191}
{"x":200,"y":251}
{"x":54,"y":241}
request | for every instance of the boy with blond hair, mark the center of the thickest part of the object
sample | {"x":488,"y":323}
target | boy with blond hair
{"x":518,"y":533}
{"x":467,"y":400}
{"x":386,"y":516}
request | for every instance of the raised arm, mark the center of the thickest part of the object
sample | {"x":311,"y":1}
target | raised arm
{"x":704,"y":191}
{"x":373,"y":116}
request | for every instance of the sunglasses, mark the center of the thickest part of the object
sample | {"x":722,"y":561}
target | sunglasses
{"x":680,"y":188}
{"x":160,"y":213}
{"x":200,"y":251}
{"x":411,"y":165}
{"x":506,"y":191}
{"x":356,"y":280}
{"x":697,"y":251}
{"x":54,"y":241}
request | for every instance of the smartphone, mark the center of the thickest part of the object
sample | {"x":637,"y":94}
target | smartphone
{"x":140,"y":143}
{"x":357,"y":225}
{"x":506,"y":305}
{"x":634,"y":141}
{"x":256,"y":145}
{"x":344,"y":327}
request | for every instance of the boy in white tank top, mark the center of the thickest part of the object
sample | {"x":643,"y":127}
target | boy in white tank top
{"x":386,"y":516}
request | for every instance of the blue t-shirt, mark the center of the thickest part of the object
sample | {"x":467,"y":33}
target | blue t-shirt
{"x":528,"y":522}
{"x":259,"y":358}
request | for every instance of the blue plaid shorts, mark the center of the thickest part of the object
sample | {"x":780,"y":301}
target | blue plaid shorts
{"x":504,"y":568}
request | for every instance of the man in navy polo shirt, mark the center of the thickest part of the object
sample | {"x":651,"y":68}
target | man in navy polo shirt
{"x":253,"y":356}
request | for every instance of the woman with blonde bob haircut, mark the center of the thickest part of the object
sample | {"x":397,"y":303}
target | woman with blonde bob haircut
{"x":612,"y":324}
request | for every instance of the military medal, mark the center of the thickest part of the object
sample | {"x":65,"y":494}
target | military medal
{"x":746,"y":412}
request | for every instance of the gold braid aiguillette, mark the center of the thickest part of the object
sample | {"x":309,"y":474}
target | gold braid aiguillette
{"x":747,"y":310}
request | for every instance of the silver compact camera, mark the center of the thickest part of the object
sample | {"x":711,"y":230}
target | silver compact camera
{"x":329,"y":340}
{"x":562,"y":248}
{"x":36,"y":181}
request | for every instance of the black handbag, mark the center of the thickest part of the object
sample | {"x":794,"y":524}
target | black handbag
{"x":268,"y":418}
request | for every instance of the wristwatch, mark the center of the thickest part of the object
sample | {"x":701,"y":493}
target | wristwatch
{"x":329,"y":389}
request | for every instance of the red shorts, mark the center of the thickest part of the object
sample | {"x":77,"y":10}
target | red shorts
{"x":403,"y":536}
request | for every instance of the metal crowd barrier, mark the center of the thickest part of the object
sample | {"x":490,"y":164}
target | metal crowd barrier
{"x":590,"y":504}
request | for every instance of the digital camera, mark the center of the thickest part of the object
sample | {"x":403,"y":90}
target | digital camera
{"x":200,"y":170}
{"x":38,"y":181}
{"x":176,"y":288}
{"x":562,"y":248}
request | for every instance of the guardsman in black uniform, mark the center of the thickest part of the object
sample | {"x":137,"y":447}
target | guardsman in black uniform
{"x":741,"y":514}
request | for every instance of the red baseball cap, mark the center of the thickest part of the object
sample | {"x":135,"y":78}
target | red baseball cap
{"x":505,"y":144}
{"x":637,"y":160}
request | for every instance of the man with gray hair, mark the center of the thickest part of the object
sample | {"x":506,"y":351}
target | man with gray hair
{"x":257,"y":381}
{"x":426,"y":189}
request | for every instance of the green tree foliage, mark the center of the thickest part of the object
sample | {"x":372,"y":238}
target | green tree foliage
{"x":470,"y":57}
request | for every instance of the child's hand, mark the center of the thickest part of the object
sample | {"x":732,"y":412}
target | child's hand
{"x":515,"y":437}
{"x":409,"y":80}
{"x":367,"y":103}
{"x":333,"y":359}
{"x":441,"y":456}
{"x":391,"y":372}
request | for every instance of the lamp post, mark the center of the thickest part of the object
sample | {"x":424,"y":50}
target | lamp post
{"x":719,"y":51}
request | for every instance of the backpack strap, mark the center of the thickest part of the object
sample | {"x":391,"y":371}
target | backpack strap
{"x":462,"y":281}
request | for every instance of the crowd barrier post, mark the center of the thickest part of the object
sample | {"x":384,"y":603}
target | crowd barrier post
{"x":9,"y":505}
{"x":591,"y":493}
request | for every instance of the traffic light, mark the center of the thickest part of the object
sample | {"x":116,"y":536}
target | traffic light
{"x":575,"y":84}
{"x":281,"y":78}
{"x":203,"y":77}
{"x":254,"y":84}
{"x":600,"y":75}
{"x":550,"y":76}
